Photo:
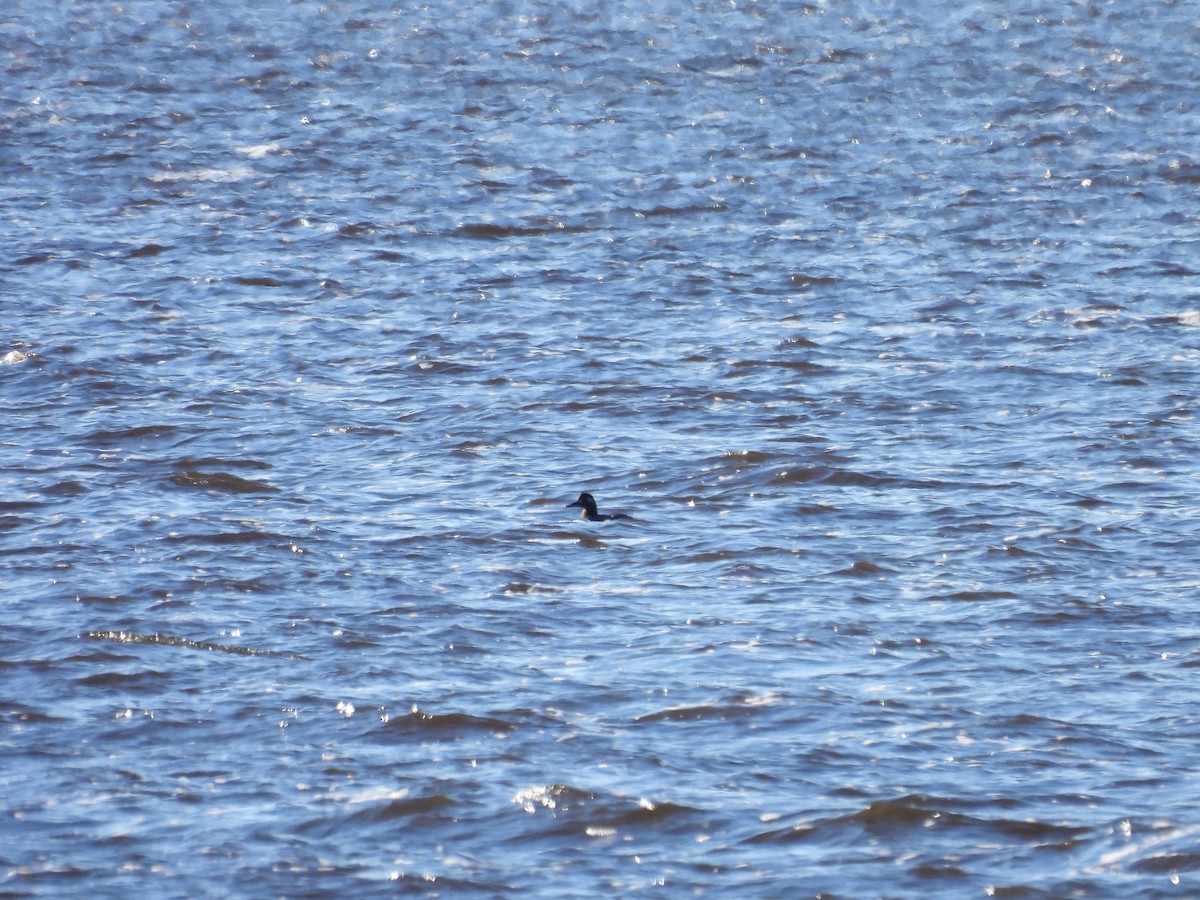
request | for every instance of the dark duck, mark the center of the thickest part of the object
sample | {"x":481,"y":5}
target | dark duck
{"x":587,"y":503}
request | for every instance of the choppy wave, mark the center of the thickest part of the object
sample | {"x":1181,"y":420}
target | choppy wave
{"x":880,"y":320}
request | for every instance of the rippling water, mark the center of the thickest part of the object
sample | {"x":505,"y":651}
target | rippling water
{"x":881,"y":319}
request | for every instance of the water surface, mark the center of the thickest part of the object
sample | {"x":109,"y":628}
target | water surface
{"x":881,"y":319}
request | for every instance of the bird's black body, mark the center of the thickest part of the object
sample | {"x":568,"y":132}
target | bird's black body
{"x":587,"y":503}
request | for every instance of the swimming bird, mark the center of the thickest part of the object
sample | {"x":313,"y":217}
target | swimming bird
{"x":587,"y":503}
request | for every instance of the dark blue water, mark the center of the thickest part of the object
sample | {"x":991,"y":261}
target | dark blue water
{"x":881,"y":319}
